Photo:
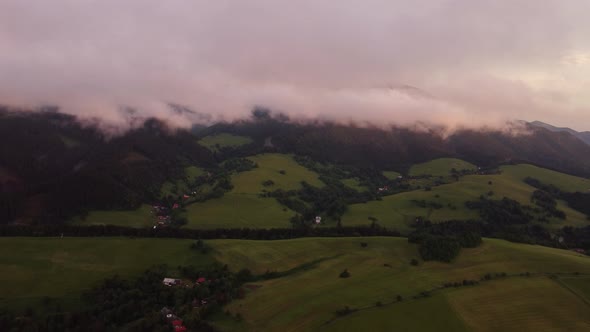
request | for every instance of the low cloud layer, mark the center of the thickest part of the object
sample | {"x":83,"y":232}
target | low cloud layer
{"x":451,"y":62}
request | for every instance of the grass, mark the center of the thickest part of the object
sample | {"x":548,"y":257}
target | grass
{"x":224,"y":140}
{"x":392,"y":175}
{"x":525,"y":304}
{"x":242,"y":206}
{"x":563,"y":181}
{"x":269,"y":167}
{"x":355,"y":184}
{"x":580,"y":285}
{"x":237,"y":211}
{"x":141,"y":217}
{"x":440,"y":167}
{"x":181,"y":186}
{"x":63,"y":268}
{"x":398,"y":211}
{"x":432,"y":314}
{"x":306,"y":300}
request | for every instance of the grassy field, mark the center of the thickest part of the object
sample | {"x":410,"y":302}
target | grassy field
{"x":215,"y":142}
{"x":306,"y":300}
{"x":33,"y":268}
{"x":242,"y":206}
{"x":398,"y":211}
{"x":392,"y":175}
{"x":563,"y":181}
{"x":355,"y":184}
{"x":432,"y":314}
{"x":238,"y":210}
{"x":440,"y":167}
{"x":63,"y":268}
{"x":269,"y":167}
{"x":141,"y":217}
{"x":525,"y":304}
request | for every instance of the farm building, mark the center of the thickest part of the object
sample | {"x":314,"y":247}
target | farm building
{"x":170,"y":281}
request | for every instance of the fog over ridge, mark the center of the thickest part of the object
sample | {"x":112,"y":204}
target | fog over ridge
{"x":450,"y":62}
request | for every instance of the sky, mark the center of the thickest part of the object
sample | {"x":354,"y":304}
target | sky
{"x":450,"y":62}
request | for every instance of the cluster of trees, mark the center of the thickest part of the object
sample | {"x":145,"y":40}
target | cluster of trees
{"x":505,"y":211}
{"x":135,"y":305}
{"x":184,"y":233}
{"x":576,"y":200}
{"x":547,"y":203}
{"x":443,"y":241}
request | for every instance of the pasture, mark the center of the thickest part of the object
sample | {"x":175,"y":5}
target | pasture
{"x":142,"y":217}
{"x":399,"y":211}
{"x":440,"y":167}
{"x":306,"y":300}
{"x":243,"y":207}
{"x":63,"y":268}
{"x":391,"y":175}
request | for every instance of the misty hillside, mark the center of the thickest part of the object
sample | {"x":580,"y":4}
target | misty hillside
{"x":583,"y":135}
{"x":52,"y":168}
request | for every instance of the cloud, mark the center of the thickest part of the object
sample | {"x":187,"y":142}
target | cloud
{"x":453,"y":62}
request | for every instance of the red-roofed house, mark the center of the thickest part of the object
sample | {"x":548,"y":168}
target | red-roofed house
{"x":175,"y":206}
{"x":177,"y":322}
{"x":201,"y":280}
{"x":179,"y":328}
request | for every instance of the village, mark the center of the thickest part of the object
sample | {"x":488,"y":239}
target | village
{"x":168,"y":314}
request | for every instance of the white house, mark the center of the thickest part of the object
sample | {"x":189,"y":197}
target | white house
{"x":318,"y":219}
{"x":170,"y":281}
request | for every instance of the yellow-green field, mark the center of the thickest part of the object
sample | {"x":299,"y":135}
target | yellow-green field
{"x":398,"y":211}
{"x":242,"y":206}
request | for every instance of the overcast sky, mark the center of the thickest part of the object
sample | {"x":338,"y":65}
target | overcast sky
{"x":468,"y":62}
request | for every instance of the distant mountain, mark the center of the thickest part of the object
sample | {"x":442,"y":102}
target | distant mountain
{"x":52,"y":167}
{"x":583,"y":135}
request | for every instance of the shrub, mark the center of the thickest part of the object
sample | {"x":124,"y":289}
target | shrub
{"x":414,"y":262}
{"x":364,"y":244}
{"x":345,"y":274}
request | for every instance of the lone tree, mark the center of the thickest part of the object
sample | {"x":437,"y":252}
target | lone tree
{"x":345,"y":274}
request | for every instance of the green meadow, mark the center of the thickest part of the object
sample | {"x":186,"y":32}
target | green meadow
{"x":243,"y":206}
{"x":398,"y":211}
{"x":354,"y":183}
{"x":142,"y":217}
{"x":224,"y":140}
{"x":305,"y":300}
{"x":440,"y":167}
{"x":62,"y":268}
{"x":392,"y":175}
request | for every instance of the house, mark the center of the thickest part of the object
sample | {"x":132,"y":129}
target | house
{"x":170,"y":281}
{"x":180,"y":328}
{"x":185,"y":196}
{"x":318,"y":219}
{"x":175,"y":206}
{"x":201,"y":280}
{"x":177,"y":322}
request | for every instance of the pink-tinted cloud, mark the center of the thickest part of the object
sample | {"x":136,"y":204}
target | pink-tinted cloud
{"x":452,"y":62}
